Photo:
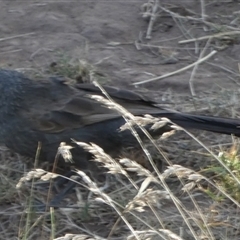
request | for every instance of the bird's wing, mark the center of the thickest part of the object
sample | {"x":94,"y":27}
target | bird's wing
{"x":69,"y":106}
{"x":133,"y":102}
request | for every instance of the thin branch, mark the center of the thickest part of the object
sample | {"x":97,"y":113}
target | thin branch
{"x":209,"y":36}
{"x":177,"y":71}
{"x":196,"y":67}
{"x":152,"y":19}
{"x":16,"y":36}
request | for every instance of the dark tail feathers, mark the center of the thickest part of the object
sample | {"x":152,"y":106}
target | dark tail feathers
{"x":213,"y":124}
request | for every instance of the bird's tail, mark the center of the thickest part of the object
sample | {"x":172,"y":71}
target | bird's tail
{"x":213,"y":124}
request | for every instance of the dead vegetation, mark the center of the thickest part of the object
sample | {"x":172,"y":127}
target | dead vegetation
{"x":193,"y":195}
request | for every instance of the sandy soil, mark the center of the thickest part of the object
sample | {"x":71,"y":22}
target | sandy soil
{"x":84,"y":30}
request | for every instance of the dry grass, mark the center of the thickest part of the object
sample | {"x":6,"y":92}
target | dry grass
{"x":77,"y":69}
{"x":180,"y":201}
{"x":133,"y":202}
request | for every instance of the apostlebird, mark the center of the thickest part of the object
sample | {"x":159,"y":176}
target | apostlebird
{"x":55,"y":110}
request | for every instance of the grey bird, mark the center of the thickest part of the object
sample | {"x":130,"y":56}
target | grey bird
{"x":56,"y":110}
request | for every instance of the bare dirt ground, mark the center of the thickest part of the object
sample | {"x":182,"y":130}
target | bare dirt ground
{"x":111,"y":35}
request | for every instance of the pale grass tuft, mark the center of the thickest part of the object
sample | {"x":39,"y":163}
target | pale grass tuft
{"x":189,"y":186}
{"x":143,"y":235}
{"x":113,"y":105}
{"x":109,"y":104}
{"x":178,"y":128}
{"x":103,"y":158}
{"x":148,"y":234}
{"x":36,"y":173}
{"x":91,"y":185}
{"x":143,"y":121}
{"x":143,"y":199}
{"x":64,"y":151}
{"x":178,"y":170}
{"x":70,"y":236}
{"x":133,"y":166}
{"x":183,"y":172}
{"x":167,"y":134}
{"x":104,"y":198}
{"x":170,"y":234}
{"x":195,"y":177}
{"x":157,"y":122}
{"x":106,"y":160}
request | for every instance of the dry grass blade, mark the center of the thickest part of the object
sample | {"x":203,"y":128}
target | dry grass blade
{"x":218,"y":35}
{"x":104,"y":198}
{"x":146,"y":198}
{"x":64,"y":151}
{"x":70,"y":236}
{"x":37,"y":173}
{"x":16,"y":36}
{"x":179,"y":70}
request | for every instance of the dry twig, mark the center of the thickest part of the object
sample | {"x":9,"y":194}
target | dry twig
{"x":179,"y":70}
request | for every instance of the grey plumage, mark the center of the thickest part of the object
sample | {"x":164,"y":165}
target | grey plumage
{"x":55,"y":110}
